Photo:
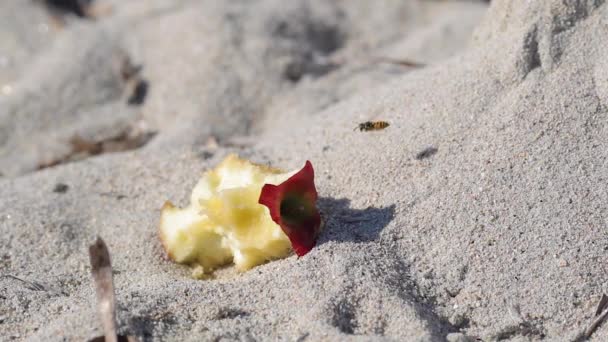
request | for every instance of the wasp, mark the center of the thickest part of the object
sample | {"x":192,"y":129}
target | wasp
{"x":372,"y":126}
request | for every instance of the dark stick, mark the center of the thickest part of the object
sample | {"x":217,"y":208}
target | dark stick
{"x":101,"y":268}
{"x":602,"y":305}
{"x":600,"y":315}
{"x":598,"y":320}
{"x":32,"y":285}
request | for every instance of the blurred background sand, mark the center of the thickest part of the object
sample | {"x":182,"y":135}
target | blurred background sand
{"x":499,"y":232}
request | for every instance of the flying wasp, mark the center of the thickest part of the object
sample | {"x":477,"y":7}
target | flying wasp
{"x":372,"y":126}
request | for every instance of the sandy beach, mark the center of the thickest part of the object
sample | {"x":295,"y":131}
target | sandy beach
{"x":479,"y":214}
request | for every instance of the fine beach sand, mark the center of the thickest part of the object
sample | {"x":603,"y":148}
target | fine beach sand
{"x":479,"y":212}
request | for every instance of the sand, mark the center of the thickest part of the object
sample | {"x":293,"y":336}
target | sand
{"x":500,"y":233}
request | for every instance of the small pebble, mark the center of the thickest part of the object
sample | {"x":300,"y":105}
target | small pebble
{"x":61,"y":188}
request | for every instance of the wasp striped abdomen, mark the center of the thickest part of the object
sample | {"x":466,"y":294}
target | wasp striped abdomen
{"x":372,"y":126}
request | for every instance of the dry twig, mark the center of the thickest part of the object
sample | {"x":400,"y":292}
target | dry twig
{"x":398,"y":61}
{"x":101,"y":268}
{"x":31,"y":285}
{"x":600,"y":315}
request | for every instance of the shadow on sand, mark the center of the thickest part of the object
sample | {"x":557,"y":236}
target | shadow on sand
{"x":343,"y":223}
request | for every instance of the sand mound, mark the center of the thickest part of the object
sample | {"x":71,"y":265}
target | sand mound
{"x":480,"y":211}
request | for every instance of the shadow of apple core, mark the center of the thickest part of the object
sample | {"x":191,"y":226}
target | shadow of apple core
{"x":345,"y":224}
